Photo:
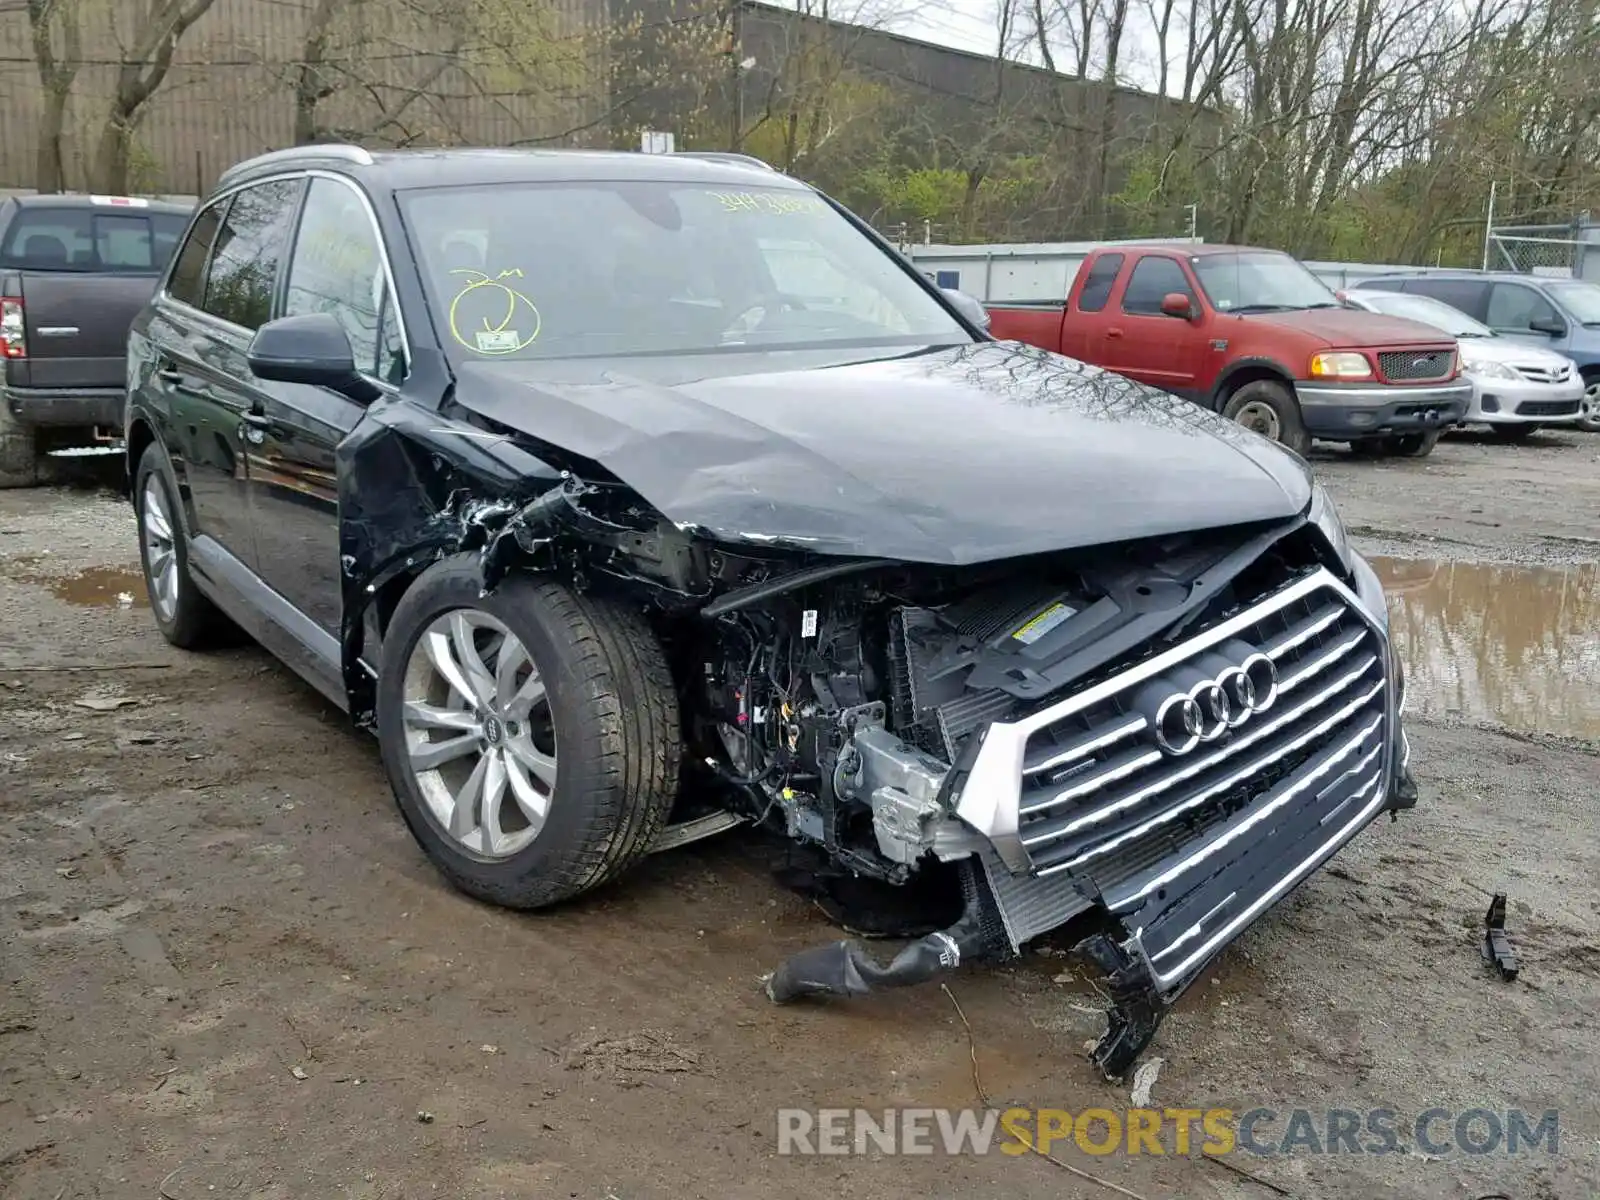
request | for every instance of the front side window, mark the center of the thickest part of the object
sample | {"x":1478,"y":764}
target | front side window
{"x":1465,"y":294}
{"x":618,"y":268}
{"x":1154,"y":278}
{"x":1260,"y":282}
{"x":337,"y":268}
{"x":188,"y":279}
{"x":1514,"y":307}
{"x":252,"y":240}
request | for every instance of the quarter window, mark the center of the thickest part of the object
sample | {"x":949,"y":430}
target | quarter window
{"x":337,"y":268}
{"x":1154,"y":277}
{"x":188,"y":281}
{"x":244,"y":269}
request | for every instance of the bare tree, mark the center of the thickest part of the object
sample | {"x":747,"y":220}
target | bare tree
{"x":57,"y":39}
{"x":142,"y":69}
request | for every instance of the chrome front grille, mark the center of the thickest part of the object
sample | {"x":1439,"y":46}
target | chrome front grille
{"x":1410,"y":366}
{"x":1544,"y":374}
{"x":1084,"y":786}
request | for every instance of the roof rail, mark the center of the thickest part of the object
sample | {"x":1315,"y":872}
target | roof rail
{"x":324,"y":150}
{"x":746,"y":160}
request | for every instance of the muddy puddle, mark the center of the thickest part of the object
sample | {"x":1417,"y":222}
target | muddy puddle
{"x":1514,"y":646}
{"x":89,"y":587}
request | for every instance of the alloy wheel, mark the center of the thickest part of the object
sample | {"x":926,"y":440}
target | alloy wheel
{"x":480,"y":738}
{"x":1589,"y":406}
{"x":160,"y":549}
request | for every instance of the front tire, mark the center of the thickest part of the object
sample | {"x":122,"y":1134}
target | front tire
{"x":531,"y":735}
{"x":1589,"y":419}
{"x":1269,"y":408}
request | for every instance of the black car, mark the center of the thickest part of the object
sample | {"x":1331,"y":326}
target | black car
{"x":628,"y":498}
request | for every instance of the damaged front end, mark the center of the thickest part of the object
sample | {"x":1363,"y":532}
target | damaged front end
{"x":1159,"y":807}
{"x":1140,"y":747}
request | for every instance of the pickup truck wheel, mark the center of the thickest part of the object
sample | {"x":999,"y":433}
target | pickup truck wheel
{"x":20,"y":459}
{"x":531,"y":735}
{"x":1270,"y":409}
{"x":1515,"y":433}
{"x":1412,"y":445}
{"x":185,"y":617}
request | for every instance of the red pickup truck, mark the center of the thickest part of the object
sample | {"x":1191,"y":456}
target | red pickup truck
{"x":1255,"y":336}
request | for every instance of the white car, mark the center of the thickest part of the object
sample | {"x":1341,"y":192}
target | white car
{"x":1516,"y":388}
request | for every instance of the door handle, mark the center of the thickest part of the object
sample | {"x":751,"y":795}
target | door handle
{"x":1114,"y":331}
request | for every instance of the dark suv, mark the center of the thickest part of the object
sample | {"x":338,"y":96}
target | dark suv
{"x":629,"y":498}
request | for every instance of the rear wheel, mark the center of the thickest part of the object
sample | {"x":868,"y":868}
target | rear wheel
{"x":1412,"y":445}
{"x":185,"y":617}
{"x":1515,"y":433}
{"x":531,"y":735}
{"x":1269,"y":408}
{"x":21,"y":463}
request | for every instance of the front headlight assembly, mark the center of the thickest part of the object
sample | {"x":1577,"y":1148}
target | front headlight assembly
{"x":1489,"y":370}
{"x":1323,"y":515}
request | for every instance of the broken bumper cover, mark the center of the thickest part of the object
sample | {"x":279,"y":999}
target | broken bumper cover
{"x":1102,"y":802}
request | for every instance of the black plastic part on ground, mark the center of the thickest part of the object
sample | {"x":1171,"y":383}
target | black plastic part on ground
{"x":846,"y":969}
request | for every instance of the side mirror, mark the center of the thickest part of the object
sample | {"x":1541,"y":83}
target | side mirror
{"x":311,"y":349}
{"x":1554,"y":326}
{"x":968,"y":306}
{"x":1340,"y":296}
{"x":1176,"y":304}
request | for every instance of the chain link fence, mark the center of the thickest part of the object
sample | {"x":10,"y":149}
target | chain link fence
{"x":1557,"y":251}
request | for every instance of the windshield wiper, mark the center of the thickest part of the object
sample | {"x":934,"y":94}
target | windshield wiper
{"x":1257,"y":308}
{"x":1323,"y":304}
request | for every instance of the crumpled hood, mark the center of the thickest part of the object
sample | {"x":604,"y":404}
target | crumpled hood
{"x":1341,"y":328}
{"x":946,"y":455}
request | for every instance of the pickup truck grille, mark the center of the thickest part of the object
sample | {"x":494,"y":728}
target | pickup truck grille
{"x":1412,"y":366}
{"x":1103,"y":795}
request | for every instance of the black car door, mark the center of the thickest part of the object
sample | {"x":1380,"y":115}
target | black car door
{"x":221,"y":290}
{"x":337,"y":267}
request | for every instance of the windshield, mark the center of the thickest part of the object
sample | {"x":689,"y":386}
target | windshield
{"x":1582,"y":300}
{"x":1263,"y":282}
{"x":564,"y":270}
{"x":1427,"y":310}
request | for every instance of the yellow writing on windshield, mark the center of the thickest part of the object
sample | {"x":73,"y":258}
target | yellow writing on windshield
{"x":509,"y":321}
{"x":777,"y":203}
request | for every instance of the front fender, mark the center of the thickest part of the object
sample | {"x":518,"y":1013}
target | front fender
{"x":403,"y":473}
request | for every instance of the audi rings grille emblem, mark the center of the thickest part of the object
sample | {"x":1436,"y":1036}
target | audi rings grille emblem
{"x":1213,"y":706}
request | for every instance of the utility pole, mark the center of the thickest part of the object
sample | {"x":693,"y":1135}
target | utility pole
{"x":735,"y":77}
{"x":1194,"y":219}
{"x":1488,"y":227}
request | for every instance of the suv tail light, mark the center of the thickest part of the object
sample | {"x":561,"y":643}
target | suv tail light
{"x":13,"y":338}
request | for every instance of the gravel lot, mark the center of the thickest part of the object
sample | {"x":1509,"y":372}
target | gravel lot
{"x":226,"y":969}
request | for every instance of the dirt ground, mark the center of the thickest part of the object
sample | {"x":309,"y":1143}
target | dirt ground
{"x":225,"y":968}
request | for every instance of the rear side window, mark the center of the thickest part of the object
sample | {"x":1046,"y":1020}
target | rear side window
{"x":188,"y":279}
{"x":1464,"y":294}
{"x":1097,"y":285}
{"x":1153,"y":278}
{"x":117,"y":241}
{"x":252,"y":240}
